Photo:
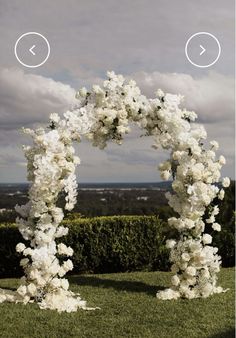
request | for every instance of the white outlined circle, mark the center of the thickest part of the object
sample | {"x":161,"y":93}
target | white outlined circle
{"x":217,"y":57}
{"x":25,"y":64}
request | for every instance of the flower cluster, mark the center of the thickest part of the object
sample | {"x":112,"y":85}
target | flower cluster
{"x":104,"y":114}
{"x":51,"y":167}
{"x":113,"y":105}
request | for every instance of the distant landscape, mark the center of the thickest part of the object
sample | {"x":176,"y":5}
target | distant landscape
{"x":97,"y":199}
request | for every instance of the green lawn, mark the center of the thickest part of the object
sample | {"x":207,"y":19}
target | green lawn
{"x":128,"y":309}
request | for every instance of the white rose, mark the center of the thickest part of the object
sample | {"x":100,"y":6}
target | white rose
{"x":160,"y":93}
{"x":221,"y":194}
{"x":215,"y":210}
{"x":170,"y":243}
{"x":216,"y":226}
{"x":20,"y":247}
{"x":27,"y":251}
{"x":61,"y":231}
{"x":54,"y":117}
{"x":22,"y":290}
{"x":24,"y":262}
{"x":205,"y":273}
{"x":168,"y":294}
{"x":64,"y":250}
{"x":207,"y":239}
{"x":189,"y":223}
{"x":32,"y":289}
{"x":222,"y":160}
{"x":83,"y":92}
{"x":54,"y":268}
{"x":185,"y":256}
{"x":210,"y":220}
{"x":191,"y":271}
{"x":55,"y":282}
{"x":215,"y":145}
{"x":226,"y":182}
{"x":68,"y":265}
{"x":175,"y":280}
{"x":165,"y":165}
{"x":178,"y":154}
{"x":65,"y":284}
{"x":61,"y":249}
{"x":165,"y":175}
{"x":62,"y":271}
{"x":207,"y":290}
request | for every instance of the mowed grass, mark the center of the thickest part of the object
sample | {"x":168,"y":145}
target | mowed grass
{"x":129,"y":308}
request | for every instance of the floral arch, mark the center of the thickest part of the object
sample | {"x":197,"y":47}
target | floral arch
{"x":101,"y":115}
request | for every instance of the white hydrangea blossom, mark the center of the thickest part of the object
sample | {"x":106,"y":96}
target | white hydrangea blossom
{"x":101,"y":115}
{"x":226,"y":182}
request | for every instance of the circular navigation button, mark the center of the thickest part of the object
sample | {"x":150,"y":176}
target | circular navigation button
{"x":202,"y":49}
{"x":32,"y":49}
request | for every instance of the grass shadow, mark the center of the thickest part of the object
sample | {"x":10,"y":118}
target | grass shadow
{"x":120,"y":285}
{"x":227,"y":334}
{"x":8,"y":288}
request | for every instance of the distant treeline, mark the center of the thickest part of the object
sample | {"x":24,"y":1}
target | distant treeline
{"x":108,"y":202}
{"x":92,"y":203}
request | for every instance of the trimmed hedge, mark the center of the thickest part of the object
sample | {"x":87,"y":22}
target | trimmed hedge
{"x":9,"y":259}
{"x":112,"y":244}
{"x":101,"y":244}
{"x":118,"y":243}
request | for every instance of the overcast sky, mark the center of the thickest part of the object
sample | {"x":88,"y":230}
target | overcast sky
{"x":142,"y":39}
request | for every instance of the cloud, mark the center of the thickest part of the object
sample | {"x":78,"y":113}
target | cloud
{"x":27,"y":99}
{"x":8,"y":158}
{"x":89,"y":37}
{"x":131,"y":162}
{"x":211,"y":96}
{"x":135,"y":151}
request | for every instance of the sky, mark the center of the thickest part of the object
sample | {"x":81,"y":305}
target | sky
{"x":141,"y":39}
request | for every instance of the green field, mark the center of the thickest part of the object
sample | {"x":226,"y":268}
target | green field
{"x":129,"y":308}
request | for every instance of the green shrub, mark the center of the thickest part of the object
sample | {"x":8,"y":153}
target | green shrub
{"x":112,"y":244}
{"x":101,"y":244}
{"x":118,"y":243}
{"x":225,"y":239}
{"x":9,"y":259}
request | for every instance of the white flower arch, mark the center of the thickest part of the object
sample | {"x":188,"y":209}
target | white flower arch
{"x":101,"y":115}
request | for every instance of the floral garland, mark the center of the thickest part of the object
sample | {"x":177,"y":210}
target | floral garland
{"x":101,"y":115}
